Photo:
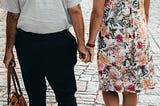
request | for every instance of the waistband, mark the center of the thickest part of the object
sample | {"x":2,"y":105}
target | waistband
{"x":63,"y":31}
{"x":35,"y":36}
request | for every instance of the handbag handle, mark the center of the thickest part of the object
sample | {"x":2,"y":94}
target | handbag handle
{"x":12,"y":74}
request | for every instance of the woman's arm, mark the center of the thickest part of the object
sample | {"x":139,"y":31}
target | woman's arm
{"x":146,"y":7}
{"x":96,"y":19}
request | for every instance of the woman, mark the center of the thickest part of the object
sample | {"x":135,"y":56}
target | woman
{"x":124,"y":61}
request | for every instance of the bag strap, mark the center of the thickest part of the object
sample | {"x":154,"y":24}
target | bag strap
{"x":8,"y":85}
{"x":12,"y":74}
{"x":16,"y":81}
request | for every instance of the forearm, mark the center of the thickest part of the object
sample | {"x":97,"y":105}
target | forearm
{"x":146,"y":8}
{"x":96,"y":19}
{"x":11,"y":23}
{"x":95,"y":22}
{"x":78,"y":23}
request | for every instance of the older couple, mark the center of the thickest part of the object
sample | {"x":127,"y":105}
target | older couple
{"x":39,"y":30}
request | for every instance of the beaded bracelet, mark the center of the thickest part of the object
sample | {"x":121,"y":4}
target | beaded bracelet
{"x":90,"y":45}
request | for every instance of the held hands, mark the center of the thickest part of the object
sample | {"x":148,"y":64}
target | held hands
{"x":86,"y":54}
{"x":83,"y":54}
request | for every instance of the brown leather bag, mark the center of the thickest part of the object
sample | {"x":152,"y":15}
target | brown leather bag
{"x":15,"y":98}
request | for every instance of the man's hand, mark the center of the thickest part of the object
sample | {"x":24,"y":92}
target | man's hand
{"x":84,"y":54}
{"x":78,"y":25}
{"x":9,"y":59}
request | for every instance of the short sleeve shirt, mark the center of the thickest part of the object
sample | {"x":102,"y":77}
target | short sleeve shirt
{"x":41,"y":16}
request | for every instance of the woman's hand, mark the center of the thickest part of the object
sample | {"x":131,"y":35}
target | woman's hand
{"x":91,"y":52}
{"x":90,"y":47}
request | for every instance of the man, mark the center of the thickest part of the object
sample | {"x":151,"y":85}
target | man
{"x":45,"y":48}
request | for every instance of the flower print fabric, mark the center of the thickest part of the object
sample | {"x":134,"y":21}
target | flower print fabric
{"x":124,"y":59}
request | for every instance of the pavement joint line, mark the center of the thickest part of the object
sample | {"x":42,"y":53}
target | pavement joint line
{"x":4,"y":93}
{"x":3,"y":14}
{"x":154,"y":40}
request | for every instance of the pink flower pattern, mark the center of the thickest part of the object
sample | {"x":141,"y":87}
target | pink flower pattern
{"x":124,"y":59}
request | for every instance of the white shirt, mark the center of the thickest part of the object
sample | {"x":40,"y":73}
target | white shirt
{"x":41,"y":16}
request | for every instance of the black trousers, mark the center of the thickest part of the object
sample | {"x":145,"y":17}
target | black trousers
{"x":51,"y":56}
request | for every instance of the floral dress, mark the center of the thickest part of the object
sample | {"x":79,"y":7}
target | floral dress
{"x":124,"y":59}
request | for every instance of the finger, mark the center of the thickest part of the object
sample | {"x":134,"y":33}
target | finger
{"x":85,"y":58}
{"x":13,"y":63}
{"x":6,"y":64}
{"x":92,"y":56}
{"x":88,"y":58}
{"x":80,"y":56}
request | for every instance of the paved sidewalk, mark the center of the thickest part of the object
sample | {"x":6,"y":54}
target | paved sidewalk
{"x":86,"y":74}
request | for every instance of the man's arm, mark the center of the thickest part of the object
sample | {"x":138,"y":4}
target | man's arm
{"x":11,"y":28}
{"x":78,"y":25}
{"x":146,"y":7}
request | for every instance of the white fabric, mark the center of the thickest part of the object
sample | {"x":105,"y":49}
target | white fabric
{"x":41,"y":16}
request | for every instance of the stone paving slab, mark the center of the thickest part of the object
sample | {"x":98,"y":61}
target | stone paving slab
{"x":86,"y":74}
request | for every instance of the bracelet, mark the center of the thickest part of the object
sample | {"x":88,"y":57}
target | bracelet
{"x":90,"y":44}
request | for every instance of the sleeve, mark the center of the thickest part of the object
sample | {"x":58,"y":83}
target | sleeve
{"x":72,"y":3}
{"x":11,"y":6}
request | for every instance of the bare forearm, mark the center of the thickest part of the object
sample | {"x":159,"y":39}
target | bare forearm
{"x":94,"y":26}
{"x":96,"y":19}
{"x":78,"y":24}
{"x":146,"y":7}
{"x":11,"y":30}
